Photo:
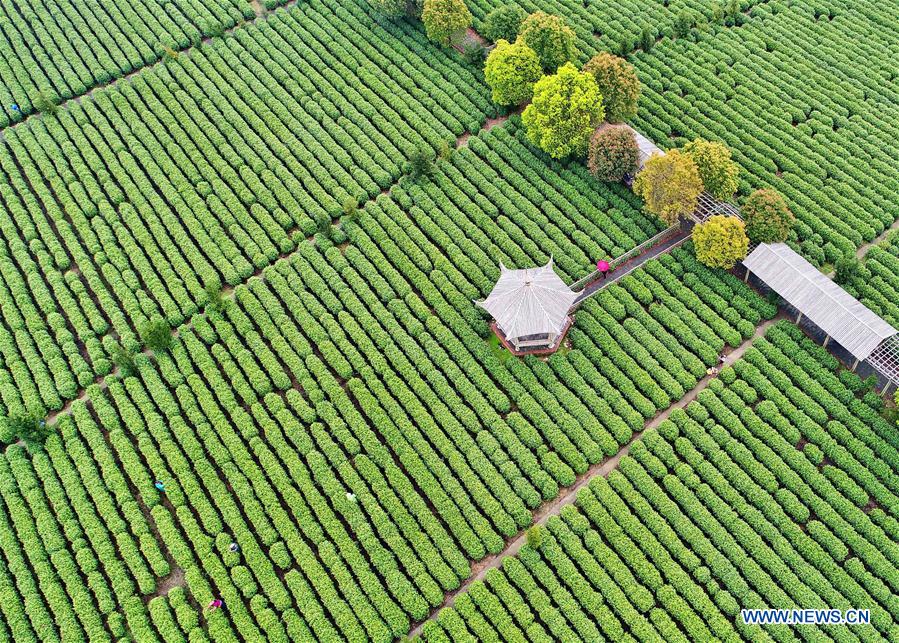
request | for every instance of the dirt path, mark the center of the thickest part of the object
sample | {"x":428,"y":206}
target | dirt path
{"x":604,"y":468}
{"x":863,"y":249}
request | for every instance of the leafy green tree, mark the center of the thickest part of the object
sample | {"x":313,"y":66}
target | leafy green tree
{"x":566,"y":108}
{"x":29,"y":428}
{"x":683,"y":22}
{"x":846,"y":268}
{"x":123,"y":359}
{"x":503,"y":23}
{"x":647,"y":39}
{"x":670,"y":185}
{"x":156,"y":335}
{"x":550,"y":37}
{"x":768,"y":219}
{"x":444,"y":19}
{"x":719,"y":174}
{"x":215,"y":299}
{"x":397,"y":8}
{"x":613,"y":153}
{"x":534,"y":537}
{"x":511,"y":71}
{"x":721,"y":241}
{"x":618,"y":84}
{"x":421,"y":163}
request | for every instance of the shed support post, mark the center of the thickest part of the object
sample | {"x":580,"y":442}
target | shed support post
{"x":886,"y":388}
{"x":826,"y":341}
{"x":798,"y":318}
{"x":746,"y":278}
{"x":854,"y":365}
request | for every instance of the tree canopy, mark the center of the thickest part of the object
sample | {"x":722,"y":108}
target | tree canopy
{"x":719,"y":174}
{"x":565,"y":110}
{"x":721,"y":241}
{"x":390,"y":8}
{"x":443,"y":19}
{"x":503,"y":23}
{"x":550,"y":37}
{"x":670,"y":185}
{"x":618,"y":84}
{"x":768,"y":219}
{"x":511,"y":71}
{"x":613,"y":153}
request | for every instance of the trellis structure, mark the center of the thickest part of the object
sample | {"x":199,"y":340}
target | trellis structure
{"x":708,"y":206}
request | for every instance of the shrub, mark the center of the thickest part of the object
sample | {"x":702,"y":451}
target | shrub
{"x":721,"y":241}
{"x":511,"y":71}
{"x":565,"y":110}
{"x":768,"y":219}
{"x":669,"y":185}
{"x":550,"y":37}
{"x":156,"y":335}
{"x":443,"y":19}
{"x":618,"y":84}
{"x":718,"y":172}
{"x":503,"y":23}
{"x":613,"y":153}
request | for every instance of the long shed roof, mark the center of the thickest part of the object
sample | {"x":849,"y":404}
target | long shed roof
{"x":816,"y":296}
{"x":531,"y":301}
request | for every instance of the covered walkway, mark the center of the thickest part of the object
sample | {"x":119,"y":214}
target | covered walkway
{"x":843,"y":319}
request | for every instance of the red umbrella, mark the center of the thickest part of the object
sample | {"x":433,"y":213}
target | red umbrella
{"x":602,"y":265}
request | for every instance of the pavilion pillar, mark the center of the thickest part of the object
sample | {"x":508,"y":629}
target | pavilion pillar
{"x":746,"y":278}
{"x":886,"y":387}
{"x":854,"y":365}
{"x":798,"y":318}
{"x":826,"y":341}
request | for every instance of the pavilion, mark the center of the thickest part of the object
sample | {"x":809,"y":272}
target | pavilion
{"x":530,"y":308}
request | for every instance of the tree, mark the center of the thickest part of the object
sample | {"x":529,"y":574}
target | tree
{"x":389,"y":8}
{"x":719,"y":174}
{"x":721,"y":241}
{"x":503,"y":23}
{"x":123,"y":359}
{"x":215,"y":299}
{"x":511,"y":71}
{"x":29,"y":428}
{"x":156,"y":335}
{"x":846,"y":268}
{"x":566,"y":108}
{"x":768,"y":219}
{"x":534,"y":537}
{"x":421,"y":163}
{"x":443,"y":19}
{"x":613,"y":153}
{"x":550,"y":37}
{"x":618,"y":84}
{"x":670,"y":185}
